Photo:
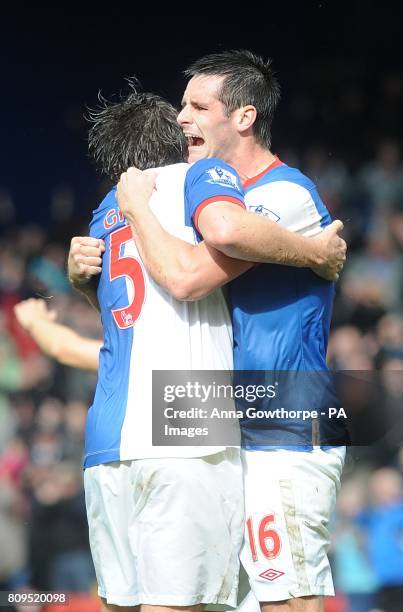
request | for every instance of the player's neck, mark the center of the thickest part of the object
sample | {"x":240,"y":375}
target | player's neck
{"x":251,"y":160}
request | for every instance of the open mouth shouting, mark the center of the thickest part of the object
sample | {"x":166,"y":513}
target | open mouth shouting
{"x":194,"y":144}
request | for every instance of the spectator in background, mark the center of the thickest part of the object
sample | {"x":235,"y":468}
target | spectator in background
{"x":57,"y":341}
{"x":69,"y":344}
{"x":75,"y":416}
{"x":349,"y":349}
{"x":389,"y":332}
{"x":59,"y":547}
{"x":383,"y":525}
{"x":331,"y":177}
{"x":353,"y":573}
{"x":13,"y":514}
{"x":380,"y":184}
{"x":16,"y":374}
{"x":13,"y":538}
{"x":368,"y":287}
{"x":392,"y":378}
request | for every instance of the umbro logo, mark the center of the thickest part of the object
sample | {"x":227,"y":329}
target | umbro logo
{"x":265,"y":212}
{"x":271,"y":574}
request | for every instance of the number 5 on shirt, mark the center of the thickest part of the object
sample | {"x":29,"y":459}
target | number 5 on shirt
{"x":126,"y":266}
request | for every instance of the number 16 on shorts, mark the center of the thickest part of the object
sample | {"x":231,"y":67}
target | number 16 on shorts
{"x":263,"y":537}
{"x":262,"y":544}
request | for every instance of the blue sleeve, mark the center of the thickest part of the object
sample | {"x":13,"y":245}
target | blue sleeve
{"x":207,"y":181}
{"x":107,"y":210}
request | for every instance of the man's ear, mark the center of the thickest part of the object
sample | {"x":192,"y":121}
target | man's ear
{"x":246,"y":117}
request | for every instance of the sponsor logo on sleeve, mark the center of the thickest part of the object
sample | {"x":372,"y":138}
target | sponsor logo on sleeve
{"x":220,"y":176}
{"x":265,"y":212}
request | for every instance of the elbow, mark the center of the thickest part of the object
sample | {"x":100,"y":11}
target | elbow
{"x":191,"y":294}
{"x":222,"y":235}
{"x":183,"y":295}
{"x":187,"y":289}
{"x":188,"y":284}
{"x":180,"y":291}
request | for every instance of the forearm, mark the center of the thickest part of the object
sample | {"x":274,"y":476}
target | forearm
{"x":252,"y":238}
{"x":186,"y":271}
{"x":165,"y":257}
{"x":65,"y":345}
{"x":49,"y":336}
{"x":172,"y":263}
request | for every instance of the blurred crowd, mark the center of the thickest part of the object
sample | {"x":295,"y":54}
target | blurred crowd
{"x":43,"y":405}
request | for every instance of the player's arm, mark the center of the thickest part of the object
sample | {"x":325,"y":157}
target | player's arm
{"x":84,"y":266}
{"x":56,"y":340}
{"x":244,"y":235}
{"x":186,"y":271}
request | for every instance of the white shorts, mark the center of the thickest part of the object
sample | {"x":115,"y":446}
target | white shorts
{"x":289,"y":499}
{"x":166,"y":531}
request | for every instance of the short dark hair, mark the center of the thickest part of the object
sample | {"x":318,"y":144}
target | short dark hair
{"x":140,"y":129}
{"x":248,"y":79}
